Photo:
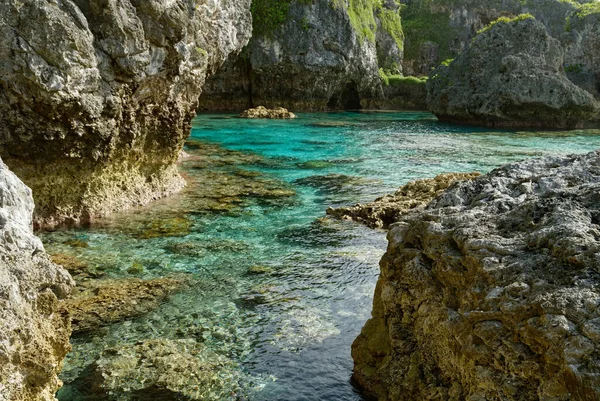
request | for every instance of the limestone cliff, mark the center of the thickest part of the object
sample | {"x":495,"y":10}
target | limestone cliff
{"x":319,"y":55}
{"x":97,"y":96}
{"x":34,"y":336}
{"x":511,"y":74}
{"x":491,"y":292}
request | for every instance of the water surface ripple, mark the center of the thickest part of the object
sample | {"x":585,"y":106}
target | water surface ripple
{"x":273,"y":286}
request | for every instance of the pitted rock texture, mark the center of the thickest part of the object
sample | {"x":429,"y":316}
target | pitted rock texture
{"x":511,"y":75}
{"x":34,"y":336}
{"x":492,"y":291}
{"x":262,"y":112}
{"x":317,"y":60}
{"x":97,"y":96}
{"x":408,"y":198}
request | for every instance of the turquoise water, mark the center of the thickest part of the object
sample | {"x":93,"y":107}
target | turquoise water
{"x":273,"y":286}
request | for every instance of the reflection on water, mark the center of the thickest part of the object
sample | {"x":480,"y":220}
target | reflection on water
{"x":271,"y":286}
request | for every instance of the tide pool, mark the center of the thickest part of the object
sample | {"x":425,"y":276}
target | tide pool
{"x":272,"y":285}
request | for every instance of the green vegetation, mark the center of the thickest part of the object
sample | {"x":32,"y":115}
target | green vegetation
{"x":392,"y":23}
{"x":574,"y":68}
{"x":421,"y":25}
{"x":363,"y":14}
{"x":587,"y":9}
{"x":268,"y":15}
{"x":506,"y":20}
{"x":400,"y":80}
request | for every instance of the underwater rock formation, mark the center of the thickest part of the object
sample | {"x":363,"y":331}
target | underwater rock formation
{"x":323,"y":55}
{"x":161,"y":369}
{"x":408,"y":198}
{"x":98,"y":303}
{"x":491,"y":292}
{"x":34,"y":335}
{"x":511,"y":75}
{"x":262,"y":112}
{"x":97,"y":97}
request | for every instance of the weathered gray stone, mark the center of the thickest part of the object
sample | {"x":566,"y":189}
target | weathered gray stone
{"x":511,"y":75}
{"x":491,"y":292}
{"x":34,"y":336}
{"x":317,"y":60}
{"x":97,"y":96}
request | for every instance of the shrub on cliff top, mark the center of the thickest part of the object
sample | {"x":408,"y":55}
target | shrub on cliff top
{"x":506,"y":20}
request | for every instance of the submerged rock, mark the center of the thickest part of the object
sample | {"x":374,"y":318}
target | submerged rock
{"x":511,"y":75}
{"x":161,"y":369}
{"x":34,"y":335}
{"x":411,"y":197}
{"x":262,"y":112}
{"x":98,"y":303}
{"x":98,"y":96}
{"x":491,"y":292}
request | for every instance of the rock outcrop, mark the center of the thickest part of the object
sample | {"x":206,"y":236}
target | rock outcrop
{"x":97,"y":96}
{"x":323,"y":55}
{"x":491,"y":292}
{"x":34,"y":336}
{"x":263,"y":112}
{"x":408,"y":198}
{"x":511,"y":75}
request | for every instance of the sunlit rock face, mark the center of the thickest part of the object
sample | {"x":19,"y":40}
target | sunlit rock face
{"x":491,"y":292}
{"x":97,"y":96}
{"x":34,"y":335}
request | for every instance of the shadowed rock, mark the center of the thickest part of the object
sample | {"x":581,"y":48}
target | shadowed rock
{"x":511,"y":75}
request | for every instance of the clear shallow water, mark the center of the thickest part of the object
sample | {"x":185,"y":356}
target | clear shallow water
{"x":274,"y":287}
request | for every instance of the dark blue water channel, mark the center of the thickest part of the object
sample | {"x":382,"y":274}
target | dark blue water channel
{"x":278,"y":289}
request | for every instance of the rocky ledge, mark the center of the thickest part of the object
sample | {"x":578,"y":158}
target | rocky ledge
{"x":97,"y":97}
{"x":492,"y":291}
{"x":263,"y":112}
{"x":411,"y":197}
{"x":34,"y":335}
{"x":512,"y":74}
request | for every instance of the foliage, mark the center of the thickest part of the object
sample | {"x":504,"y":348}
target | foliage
{"x":400,"y":80}
{"x":268,"y":15}
{"x":421,"y":25}
{"x":506,"y":20}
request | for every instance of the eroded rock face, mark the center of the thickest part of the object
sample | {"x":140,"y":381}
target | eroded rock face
{"x":491,"y":292}
{"x":262,"y":112}
{"x":97,"y":96}
{"x":34,"y":336}
{"x":317,"y":60}
{"x":411,"y":197}
{"x":511,"y":75}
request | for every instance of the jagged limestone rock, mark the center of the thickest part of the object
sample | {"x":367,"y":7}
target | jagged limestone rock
{"x":492,"y":291}
{"x":323,"y":56}
{"x":511,"y":75}
{"x":97,"y":96}
{"x":408,"y":198}
{"x":34,"y":335}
